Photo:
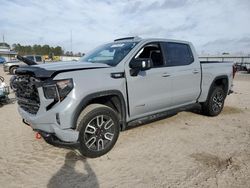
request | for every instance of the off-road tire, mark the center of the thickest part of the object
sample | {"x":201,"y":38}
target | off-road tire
{"x":89,"y":118}
{"x":215,"y":102}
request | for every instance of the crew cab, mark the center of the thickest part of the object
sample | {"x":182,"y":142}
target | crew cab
{"x":11,"y":66}
{"x":86,"y":104}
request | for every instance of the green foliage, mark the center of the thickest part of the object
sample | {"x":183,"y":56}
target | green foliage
{"x":37,"y":50}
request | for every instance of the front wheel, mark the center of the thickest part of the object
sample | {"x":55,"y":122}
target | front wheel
{"x":215,"y":102}
{"x":13,"y":70}
{"x":98,"y":127}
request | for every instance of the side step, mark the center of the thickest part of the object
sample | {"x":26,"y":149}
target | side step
{"x":160,"y":115}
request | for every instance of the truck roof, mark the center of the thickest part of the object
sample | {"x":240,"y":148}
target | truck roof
{"x":139,"y":39}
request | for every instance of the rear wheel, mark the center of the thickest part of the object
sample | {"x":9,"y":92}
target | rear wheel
{"x":215,"y":102}
{"x":13,"y":70}
{"x":98,"y":127}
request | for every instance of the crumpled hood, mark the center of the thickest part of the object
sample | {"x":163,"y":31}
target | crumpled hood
{"x":64,"y":65}
{"x":51,"y":69}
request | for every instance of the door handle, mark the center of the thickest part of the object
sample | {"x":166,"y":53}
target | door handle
{"x":195,"y":71}
{"x":165,"y":74}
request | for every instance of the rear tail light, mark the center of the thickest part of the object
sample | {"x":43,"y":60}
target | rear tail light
{"x":234,"y":70}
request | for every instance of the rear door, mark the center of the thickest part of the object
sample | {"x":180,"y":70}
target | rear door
{"x":150,"y":90}
{"x":185,"y":72}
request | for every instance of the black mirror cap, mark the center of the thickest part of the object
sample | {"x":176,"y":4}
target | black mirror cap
{"x":141,"y":64}
{"x":138,"y":65}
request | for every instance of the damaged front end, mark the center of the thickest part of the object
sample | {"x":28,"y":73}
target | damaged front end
{"x":37,"y":94}
{"x":25,"y":88}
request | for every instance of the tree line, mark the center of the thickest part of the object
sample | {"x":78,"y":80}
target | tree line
{"x":38,"y":50}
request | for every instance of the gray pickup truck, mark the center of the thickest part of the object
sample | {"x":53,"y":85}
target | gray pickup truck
{"x":86,"y":104}
{"x":11,"y":66}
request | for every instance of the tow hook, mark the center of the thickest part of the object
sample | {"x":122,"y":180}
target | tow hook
{"x":38,"y":136}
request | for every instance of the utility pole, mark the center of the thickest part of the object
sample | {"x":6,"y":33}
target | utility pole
{"x":3,"y":38}
{"x":71,"y":41}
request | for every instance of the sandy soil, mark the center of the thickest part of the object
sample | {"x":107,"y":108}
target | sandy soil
{"x":185,"y":150}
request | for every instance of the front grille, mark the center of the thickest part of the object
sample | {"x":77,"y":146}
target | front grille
{"x":26,"y":93}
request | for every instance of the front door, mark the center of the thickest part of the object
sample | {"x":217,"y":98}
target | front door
{"x":149,"y":91}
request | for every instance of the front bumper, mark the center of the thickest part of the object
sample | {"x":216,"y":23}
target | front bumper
{"x":55,"y":141}
{"x":51,"y":139}
{"x":47,"y":121}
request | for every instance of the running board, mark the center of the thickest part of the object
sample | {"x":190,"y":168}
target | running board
{"x":161,"y":115}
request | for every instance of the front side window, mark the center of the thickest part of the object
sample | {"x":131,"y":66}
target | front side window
{"x":178,"y":54}
{"x":152,"y":51}
{"x":111,"y":53}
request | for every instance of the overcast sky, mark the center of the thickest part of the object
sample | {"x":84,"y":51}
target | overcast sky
{"x":214,"y":26}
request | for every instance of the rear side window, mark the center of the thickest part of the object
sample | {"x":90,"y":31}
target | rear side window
{"x":38,"y":58}
{"x":178,"y":54}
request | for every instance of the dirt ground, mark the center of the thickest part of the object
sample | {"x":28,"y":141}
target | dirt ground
{"x":185,"y":150}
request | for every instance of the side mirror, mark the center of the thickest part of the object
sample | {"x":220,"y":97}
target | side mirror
{"x":138,"y":65}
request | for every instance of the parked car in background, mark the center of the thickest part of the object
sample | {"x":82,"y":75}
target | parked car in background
{"x":11,"y":66}
{"x":4,"y":90}
{"x":243,"y":67}
{"x":2,"y":60}
{"x":248,"y":67}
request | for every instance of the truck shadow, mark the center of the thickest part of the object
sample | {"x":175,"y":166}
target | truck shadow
{"x":67,"y":176}
{"x":226,"y":110}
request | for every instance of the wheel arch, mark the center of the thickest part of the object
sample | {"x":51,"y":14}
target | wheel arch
{"x":111,"y":98}
{"x":13,"y":66}
{"x":222,"y":80}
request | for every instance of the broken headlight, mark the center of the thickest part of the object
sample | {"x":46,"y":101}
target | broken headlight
{"x":58,"y":89}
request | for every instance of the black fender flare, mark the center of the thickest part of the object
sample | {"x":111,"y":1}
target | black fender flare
{"x":84,"y":102}
{"x":213,"y":82}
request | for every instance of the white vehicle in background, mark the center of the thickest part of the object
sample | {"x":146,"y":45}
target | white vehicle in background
{"x":4,"y":90}
{"x":11,"y":66}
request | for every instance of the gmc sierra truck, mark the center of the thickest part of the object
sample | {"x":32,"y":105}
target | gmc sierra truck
{"x":86,"y":104}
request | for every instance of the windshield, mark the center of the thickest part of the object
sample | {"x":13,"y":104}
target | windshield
{"x":111,"y":53}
